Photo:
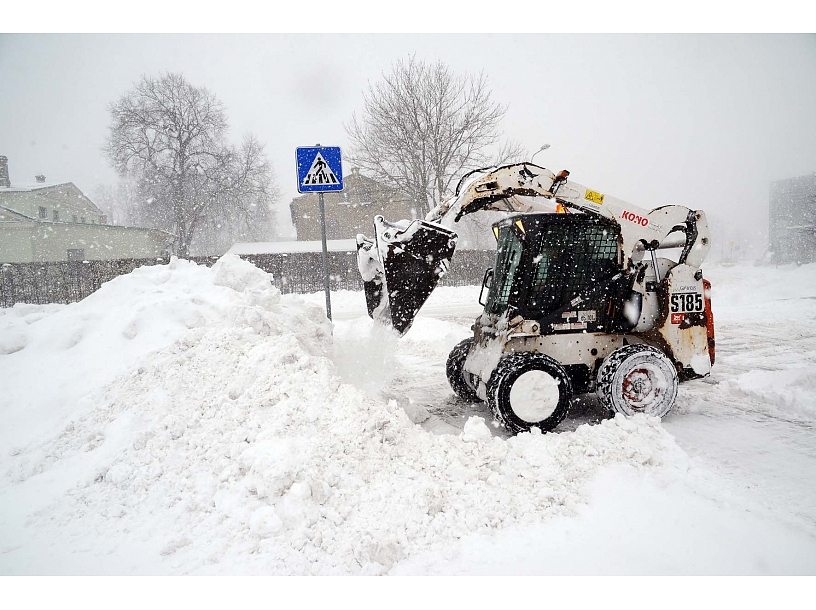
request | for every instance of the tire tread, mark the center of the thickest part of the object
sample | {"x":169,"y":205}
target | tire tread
{"x":508,"y":365}
{"x":453,"y":370}
{"x":611,"y":365}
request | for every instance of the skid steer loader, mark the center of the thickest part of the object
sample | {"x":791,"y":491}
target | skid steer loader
{"x":588,"y":293}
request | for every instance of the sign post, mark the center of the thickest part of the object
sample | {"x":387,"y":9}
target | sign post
{"x":326,"y":287}
{"x":319,"y":169}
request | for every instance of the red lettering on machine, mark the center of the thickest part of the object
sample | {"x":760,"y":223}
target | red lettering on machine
{"x":640,"y":220}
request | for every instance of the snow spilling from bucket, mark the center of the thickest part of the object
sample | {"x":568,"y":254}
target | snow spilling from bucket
{"x":227,"y":440}
{"x":364,"y":354}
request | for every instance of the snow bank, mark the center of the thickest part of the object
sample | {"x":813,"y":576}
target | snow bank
{"x":750,"y":286}
{"x":52,"y":356}
{"x":765,"y":317}
{"x":218,"y":436}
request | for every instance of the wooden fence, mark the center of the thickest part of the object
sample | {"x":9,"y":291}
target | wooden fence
{"x":301,"y":272}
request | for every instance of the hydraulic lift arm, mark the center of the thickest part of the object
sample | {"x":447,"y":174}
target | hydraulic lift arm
{"x":524,"y":188}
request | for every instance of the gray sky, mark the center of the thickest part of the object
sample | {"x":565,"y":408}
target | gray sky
{"x":699,"y":120}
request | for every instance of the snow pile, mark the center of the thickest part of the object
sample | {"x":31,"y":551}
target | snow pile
{"x":766,"y":320}
{"x":792,"y":390}
{"x":237,"y":446}
{"x":51,"y":356}
{"x":768,"y":284}
{"x":14,"y":324}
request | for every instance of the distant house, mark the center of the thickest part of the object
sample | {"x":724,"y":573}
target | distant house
{"x":351,"y":210}
{"x":41,"y":222}
{"x":792,"y":222}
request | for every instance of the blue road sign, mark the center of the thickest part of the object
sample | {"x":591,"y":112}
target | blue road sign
{"x":319,"y":169}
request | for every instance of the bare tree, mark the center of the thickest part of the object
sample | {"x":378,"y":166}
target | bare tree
{"x":243,"y":200}
{"x":167,"y":138}
{"x":422,"y":126}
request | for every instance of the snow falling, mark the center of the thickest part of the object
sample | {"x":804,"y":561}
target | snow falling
{"x":193,"y":420}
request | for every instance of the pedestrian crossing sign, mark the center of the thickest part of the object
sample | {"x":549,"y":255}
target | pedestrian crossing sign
{"x":319,"y":169}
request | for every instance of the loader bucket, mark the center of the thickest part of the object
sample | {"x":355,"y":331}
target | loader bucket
{"x":401,"y":266}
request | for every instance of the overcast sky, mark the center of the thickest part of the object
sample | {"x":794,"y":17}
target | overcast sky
{"x":704,"y":121}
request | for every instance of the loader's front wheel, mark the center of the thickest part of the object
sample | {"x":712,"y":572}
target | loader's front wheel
{"x":638,"y":379}
{"x":454,"y":368}
{"x":529,"y":390}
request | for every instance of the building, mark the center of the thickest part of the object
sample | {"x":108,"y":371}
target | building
{"x":350,"y":211}
{"x":42,"y":221}
{"x":792,"y":220}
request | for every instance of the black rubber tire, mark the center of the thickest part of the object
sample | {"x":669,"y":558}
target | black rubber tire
{"x":628,"y":360}
{"x":453,"y":368}
{"x":509,"y":369}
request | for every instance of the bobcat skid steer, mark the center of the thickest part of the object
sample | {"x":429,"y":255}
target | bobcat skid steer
{"x":588,"y":294}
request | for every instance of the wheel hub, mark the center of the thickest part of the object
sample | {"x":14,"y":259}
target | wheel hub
{"x":639,"y":387}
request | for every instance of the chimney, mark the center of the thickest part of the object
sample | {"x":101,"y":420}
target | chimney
{"x":4,"y":176}
{"x":40,"y":179}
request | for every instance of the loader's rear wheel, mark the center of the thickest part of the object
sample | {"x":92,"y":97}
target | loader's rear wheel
{"x":454,"y":368}
{"x":529,"y":390}
{"x":638,"y":379}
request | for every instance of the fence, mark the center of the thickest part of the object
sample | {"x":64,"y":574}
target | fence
{"x":68,"y":282}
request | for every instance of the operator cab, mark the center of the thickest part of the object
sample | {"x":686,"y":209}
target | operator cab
{"x":544,"y":262}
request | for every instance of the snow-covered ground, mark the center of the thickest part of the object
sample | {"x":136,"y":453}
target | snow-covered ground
{"x":193,"y":420}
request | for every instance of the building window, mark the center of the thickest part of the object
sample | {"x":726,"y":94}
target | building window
{"x":82,"y":220}
{"x":73,"y":218}
{"x":43,"y":212}
{"x":76,"y":255}
{"x":56,"y":215}
{"x":103,"y":220}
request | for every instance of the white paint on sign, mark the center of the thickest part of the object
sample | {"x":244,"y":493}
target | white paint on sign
{"x":319,"y":173}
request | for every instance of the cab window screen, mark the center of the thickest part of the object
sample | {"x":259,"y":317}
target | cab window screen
{"x":570,"y":259}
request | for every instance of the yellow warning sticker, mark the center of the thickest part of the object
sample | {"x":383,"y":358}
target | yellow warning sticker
{"x":594,"y":197}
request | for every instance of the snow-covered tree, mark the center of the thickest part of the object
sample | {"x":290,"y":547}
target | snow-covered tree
{"x":423,"y":126}
{"x":168,"y":141}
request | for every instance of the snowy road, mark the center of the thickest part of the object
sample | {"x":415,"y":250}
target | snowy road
{"x":195,"y":421}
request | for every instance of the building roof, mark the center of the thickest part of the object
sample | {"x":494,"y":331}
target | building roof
{"x":290,"y":247}
{"x":54,"y":192}
{"x":27,"y":221}
{"x":4,"y":211}
{"x":28,"y":187}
